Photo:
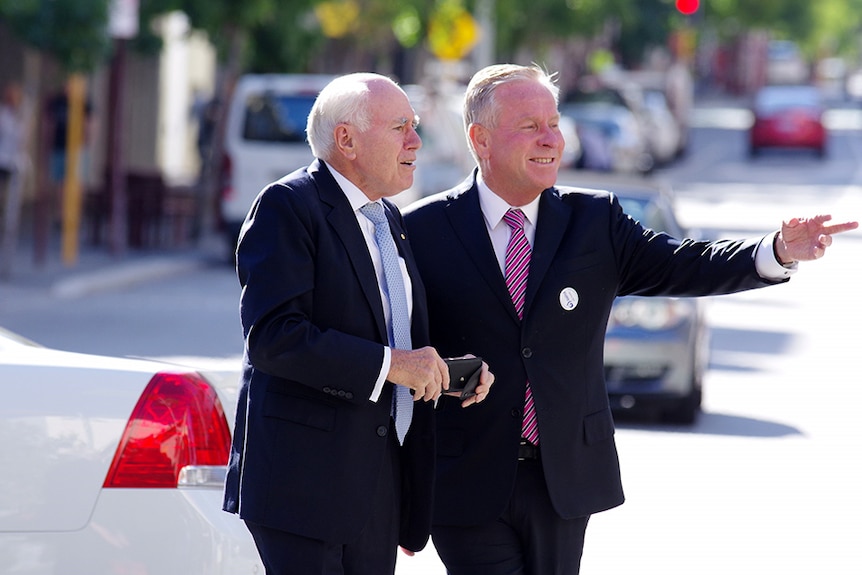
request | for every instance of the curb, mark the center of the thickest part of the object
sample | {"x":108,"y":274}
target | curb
{"x":120,"y":276}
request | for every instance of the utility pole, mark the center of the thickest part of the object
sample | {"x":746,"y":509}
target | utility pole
{"x":123,"y":25}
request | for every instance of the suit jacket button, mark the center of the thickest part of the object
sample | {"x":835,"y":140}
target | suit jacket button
{"x":516,"y":413}
{"x":382,"y":431}
{"x":527,"y":353}
{"x":341,"y":393}
{"x":327,"y":389}
{"x":348,"y":395}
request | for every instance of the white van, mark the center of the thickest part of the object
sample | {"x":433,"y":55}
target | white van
{"x":264,"y":138}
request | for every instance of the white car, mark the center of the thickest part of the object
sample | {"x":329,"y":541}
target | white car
{"x":663,"y":131}
{"x":114,"y":466}
{"x":626,"y":148}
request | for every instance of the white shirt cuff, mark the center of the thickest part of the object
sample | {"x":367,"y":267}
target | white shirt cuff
{"x":381,"y":379}
{"x":767,"y":264}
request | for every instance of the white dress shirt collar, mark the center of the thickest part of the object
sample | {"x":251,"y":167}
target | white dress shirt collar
{"x":355,"y":196}
{"x":494,"y":207}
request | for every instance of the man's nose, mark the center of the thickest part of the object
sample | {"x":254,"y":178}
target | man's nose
{"x":552,"y":137}
{"x":413,"y":140}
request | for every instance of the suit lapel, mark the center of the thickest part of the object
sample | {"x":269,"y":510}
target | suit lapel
{"x":465,"y":216}
{"x":554,"y":217}
{"x":343,"y":222}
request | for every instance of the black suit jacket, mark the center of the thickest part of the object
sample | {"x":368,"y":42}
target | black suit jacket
{"x":583,"y":241}
{"x":308,"y":443}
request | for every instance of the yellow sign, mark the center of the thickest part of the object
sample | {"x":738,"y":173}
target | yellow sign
{"x":337,"y":18}
{"x":452,"y":32}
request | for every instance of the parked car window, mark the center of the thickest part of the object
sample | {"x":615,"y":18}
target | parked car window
{"x":276,"y":118}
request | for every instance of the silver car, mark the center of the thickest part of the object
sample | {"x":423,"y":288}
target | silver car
{"x":656,"y":348}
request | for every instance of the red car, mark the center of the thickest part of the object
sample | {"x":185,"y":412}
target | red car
{"x":789,"y":116}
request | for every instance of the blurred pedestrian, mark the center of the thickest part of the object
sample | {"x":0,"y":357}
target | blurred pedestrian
{"x":524,"y":273}
{"x":332,"y":462}
{"x":12,"y":162}
{"x":58,"y":114}
{"x":207,"y":122}
{"x":11,"y":133}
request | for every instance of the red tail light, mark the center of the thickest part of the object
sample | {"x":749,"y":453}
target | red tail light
{"x":178,"y":421}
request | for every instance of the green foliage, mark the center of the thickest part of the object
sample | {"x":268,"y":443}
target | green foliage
{"x":285,"y":48}
{"x":648,"y":25}
{"x":836,"y":28}
{"x":147,"y":41}
{"x":284,"y":35}
{"x":73,"y":31}
{"x":783,"y":18}
{"x":539,"y":23}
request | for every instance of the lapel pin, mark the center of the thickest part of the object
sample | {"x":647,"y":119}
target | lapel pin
{"x":568,"y":299}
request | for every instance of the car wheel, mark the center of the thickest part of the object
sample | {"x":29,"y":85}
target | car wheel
{"x":685,"y":411}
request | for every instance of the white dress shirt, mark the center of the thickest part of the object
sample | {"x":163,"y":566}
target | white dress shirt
{"x":357,"y":199}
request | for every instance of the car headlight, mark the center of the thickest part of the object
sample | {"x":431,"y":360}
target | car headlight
{"x":651,"y":313}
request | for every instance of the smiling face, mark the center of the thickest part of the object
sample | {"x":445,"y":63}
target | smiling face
{"x":520,"y":155}
{"x":381,"y":160}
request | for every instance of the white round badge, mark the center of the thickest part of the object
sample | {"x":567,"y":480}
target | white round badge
{"x":568,"y":299}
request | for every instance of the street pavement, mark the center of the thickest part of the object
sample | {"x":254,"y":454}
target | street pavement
{"x":96,"y":269}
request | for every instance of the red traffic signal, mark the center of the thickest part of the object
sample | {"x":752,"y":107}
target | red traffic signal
{"x":687,"y":7}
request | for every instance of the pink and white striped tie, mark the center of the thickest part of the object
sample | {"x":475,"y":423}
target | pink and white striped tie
{"x":518,"y":254}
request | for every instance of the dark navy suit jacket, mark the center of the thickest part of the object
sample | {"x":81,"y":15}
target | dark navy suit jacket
{"x":583,"y":241}
{"x":308,"y":443}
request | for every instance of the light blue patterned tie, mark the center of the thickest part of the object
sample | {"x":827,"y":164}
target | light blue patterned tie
{"x":399,"y":330}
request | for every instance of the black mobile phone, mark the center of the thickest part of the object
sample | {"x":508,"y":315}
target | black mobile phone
{"x":464,"y":375}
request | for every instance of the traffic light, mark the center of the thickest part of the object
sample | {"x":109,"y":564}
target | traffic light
{"x":687,"y":7}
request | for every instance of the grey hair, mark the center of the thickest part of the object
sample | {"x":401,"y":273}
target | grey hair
{"x":480,"y":103}
{"x":342,"y":101}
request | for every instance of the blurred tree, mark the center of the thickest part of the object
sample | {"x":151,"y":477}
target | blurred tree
{"x":539,"y":23}
{"x":648,"y":26}
{"x":75,"y":34}
{"x":784,"y":18}
{"x":836,"y":29}
{"x":72,"y":31}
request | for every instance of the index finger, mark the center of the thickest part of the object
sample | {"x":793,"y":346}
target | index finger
{"x":839,"y":228}
{"x":444,"y":372}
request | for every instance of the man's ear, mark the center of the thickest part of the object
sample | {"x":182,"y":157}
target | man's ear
{"x":480,"y":137}
{"x":344,"y":141}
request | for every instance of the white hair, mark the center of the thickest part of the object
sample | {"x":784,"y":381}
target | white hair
{"x":342,"y":101}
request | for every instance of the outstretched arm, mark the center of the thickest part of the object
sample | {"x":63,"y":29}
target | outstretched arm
{"x":803,"y":239}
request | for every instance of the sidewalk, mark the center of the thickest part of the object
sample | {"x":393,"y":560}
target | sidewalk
{"x":96,"y":269}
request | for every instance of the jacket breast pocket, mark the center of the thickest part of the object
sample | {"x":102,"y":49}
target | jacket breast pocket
{"x":300,"y":410}
{"x":576,"y":264}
